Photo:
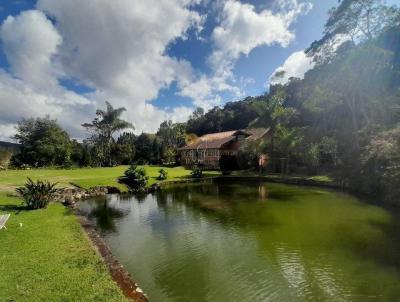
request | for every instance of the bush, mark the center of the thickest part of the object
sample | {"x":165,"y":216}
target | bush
{"x":380,"y":170}
{"x":163,"y":175}
{"x":135,"y":178}
{"x":228,"y":163}
{"x":5,"y":157}
{"x":197,"y":172}
{"x":37,"y":195}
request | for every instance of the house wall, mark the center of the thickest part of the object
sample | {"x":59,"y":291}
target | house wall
{"x":207,"y":157}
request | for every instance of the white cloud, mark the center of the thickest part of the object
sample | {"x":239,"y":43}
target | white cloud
{"x":119,"y":45}
{"x":30,"y":41}
{"x":296,"y":65}
{"x":118,"y":48}
{"x":21,"y":100}
{"x":241,"y":29}
{"x":115,"y":47}
{"x":7,"y":131}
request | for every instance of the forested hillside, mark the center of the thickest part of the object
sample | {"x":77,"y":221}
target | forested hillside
{"x":343,"y":117}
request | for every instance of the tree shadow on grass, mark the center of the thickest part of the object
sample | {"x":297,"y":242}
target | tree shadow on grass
{"x":13,"y":208}
{"x":68,"y":211}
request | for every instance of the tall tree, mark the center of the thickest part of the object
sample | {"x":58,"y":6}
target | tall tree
{"x":43,"y":143}
{"x":124,"y":149}
{"x":104,"y":126}
{"x":171,"y":136}
{"x":356,"y":21}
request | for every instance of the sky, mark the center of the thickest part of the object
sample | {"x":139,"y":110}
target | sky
{"x":160,"y":59}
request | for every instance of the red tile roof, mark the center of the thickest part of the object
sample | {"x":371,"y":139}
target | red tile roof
{"x":218,"y":140}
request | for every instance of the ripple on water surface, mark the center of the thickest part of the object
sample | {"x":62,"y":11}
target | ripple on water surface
{"x":252,"y":242}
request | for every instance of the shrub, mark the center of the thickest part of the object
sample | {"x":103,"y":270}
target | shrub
{"x":380,"y":170}
{"x":37,"y":194}
{"x":135,"y":178}
{"x":227,"y":164}
{"x":162,"y":174}
{"x":197,"y":172}
{"x":5,"y":157}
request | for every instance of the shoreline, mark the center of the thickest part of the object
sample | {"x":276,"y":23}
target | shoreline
{"x":119,"y":274}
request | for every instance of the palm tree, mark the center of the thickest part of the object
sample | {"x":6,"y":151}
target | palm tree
{"x":104,"y":126}
{"x":274,"y":115}
{"x":271,"y":111}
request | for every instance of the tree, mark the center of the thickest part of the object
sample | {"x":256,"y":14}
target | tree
{"x":5,"y":157}
{"x":135,"y":178}
{"x":274,"y":115}
{"x":43,"y":143}
{"x":233,"y":116}
{"x":81,"y":155}
{"x":354,"y":20}
{"x":144,"y":148}
{"x":381,"y":165}
{"x":124,"y":150}
{"x":171,"y":136}
{"x":286,"y":140}
{"x":103,"y":127}
{"x":228,"y":163}
{"x":271,"y":111}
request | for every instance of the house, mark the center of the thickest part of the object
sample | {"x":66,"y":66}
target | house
{"x":208,"y":149}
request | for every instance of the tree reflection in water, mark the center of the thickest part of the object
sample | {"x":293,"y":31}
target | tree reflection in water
{"x":263,"y":192}
{"x":105,"y":215}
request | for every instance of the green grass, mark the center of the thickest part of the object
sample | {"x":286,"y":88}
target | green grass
{"x":85,"y":177}
{"x":50,"y":258}
{"x":321,"y":178}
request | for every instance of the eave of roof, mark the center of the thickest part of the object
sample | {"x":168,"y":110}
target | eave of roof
{"x":214,"y":144}
{"x":217,"y":140}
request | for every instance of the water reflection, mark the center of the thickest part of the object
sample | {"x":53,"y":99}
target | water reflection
{"x":253,"y":242}
{"x":263,"y":192}
{"x":106,"y":211}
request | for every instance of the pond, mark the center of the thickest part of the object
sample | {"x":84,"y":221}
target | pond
{"x":251,"y":241}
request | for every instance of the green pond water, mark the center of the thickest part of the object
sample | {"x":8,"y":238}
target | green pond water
{"x":251,"y":241}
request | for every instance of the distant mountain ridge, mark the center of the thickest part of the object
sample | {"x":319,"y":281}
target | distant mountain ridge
{"x":9,"y":146}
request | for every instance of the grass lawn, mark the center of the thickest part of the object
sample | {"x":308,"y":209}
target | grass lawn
{"x":49,"y":258}
{"x":85,"y":177}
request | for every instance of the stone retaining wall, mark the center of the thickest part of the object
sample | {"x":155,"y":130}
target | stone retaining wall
{"x":69,"y":196}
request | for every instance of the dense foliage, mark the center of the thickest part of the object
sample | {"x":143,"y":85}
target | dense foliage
{"x":228,"y":163}
{"x":162,"y":174}
{"x":342,"y":119}
{"x":43,"y":143}
{"x":5,"y":158}
{"x":102,"y":128}
{"x":233,"y":116}
{"x":37,"y":195}
{"x":196,"y":172}
{"x":135,"y":178}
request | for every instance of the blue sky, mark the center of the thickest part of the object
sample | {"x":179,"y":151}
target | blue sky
{"x":260,"y":63}
{"x":158,"y":58}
